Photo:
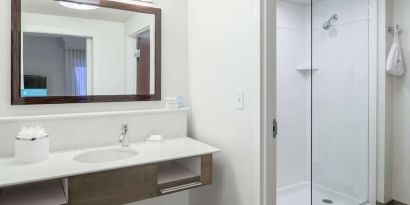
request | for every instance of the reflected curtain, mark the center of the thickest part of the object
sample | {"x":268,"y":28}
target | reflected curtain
{"x":76,"y":72}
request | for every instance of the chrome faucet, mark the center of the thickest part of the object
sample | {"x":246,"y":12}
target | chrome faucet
{"x":123,"y":139}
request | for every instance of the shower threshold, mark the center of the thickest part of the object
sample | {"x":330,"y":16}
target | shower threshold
{"x":300,"y":194}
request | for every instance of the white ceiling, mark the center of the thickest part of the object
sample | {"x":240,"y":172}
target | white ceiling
{"x":52,"y":7}
{"x":302,"y":2}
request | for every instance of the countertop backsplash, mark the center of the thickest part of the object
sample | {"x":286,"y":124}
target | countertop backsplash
{"x":94,"y":131}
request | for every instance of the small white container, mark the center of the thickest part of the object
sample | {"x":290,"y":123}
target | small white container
{"x":32,"y":149}
{"x":156,"y":139}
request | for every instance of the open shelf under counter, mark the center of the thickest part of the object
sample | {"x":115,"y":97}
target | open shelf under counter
{"x":41,"y":193}
{"x":179,"y":175}
{"x":170,"y":172}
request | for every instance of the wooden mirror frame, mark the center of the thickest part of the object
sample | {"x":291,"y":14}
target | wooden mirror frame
{"x":16,"y":98}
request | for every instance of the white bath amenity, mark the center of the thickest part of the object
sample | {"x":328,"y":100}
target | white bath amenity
{"x":32,"y":145}
{"x":156,"y":139}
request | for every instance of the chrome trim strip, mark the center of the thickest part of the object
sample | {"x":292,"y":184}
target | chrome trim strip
{"x":180,"y":188}
{"x":18,"y":138}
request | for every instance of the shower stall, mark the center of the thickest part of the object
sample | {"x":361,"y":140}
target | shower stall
{"x":326,"y":98}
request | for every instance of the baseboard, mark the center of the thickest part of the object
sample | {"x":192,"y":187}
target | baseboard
{"x":393,"y":202}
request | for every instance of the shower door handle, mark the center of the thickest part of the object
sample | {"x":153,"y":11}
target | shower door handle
{"x":275,"y":128}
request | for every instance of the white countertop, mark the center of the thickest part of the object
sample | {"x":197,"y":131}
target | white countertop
{"x":61,"y":164}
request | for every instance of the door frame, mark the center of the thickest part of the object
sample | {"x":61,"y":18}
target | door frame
{"x":373,"y":98}
{"x":268,"y":102}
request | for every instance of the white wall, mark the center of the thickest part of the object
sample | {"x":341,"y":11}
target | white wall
{"x":109,"y":56}
{"x":45,"y":56}
{"x":341,"y":98}
{"x":224,"y":56}
{"x":174,"y":82}
{"x":292,"y":98}
{"x":401,"y":109}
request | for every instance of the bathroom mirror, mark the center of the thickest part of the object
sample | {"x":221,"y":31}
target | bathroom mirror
{"x":81,"y":51}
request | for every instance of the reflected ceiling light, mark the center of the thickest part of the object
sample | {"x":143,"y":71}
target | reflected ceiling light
{"x":78,"y":6}
{"x":146,"y":1}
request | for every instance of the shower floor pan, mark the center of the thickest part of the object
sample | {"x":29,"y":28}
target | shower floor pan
{"x":300,"y":194}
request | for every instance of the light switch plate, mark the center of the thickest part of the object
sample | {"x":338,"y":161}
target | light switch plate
{"x":240,"y":100}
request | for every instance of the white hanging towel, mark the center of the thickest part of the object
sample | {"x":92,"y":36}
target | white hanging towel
{"x":395,"y":63}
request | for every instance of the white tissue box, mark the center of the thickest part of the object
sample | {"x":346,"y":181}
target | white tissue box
{"x":31,"y":150}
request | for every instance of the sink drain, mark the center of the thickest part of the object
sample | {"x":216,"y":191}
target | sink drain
{"x":327,"y":201}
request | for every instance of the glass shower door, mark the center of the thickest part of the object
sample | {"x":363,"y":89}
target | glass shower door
{"x":340,"y":102}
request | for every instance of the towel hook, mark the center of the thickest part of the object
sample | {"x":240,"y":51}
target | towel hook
{"x":393,"y":29}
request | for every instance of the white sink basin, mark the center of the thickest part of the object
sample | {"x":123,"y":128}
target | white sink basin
{"x":106,"y":155}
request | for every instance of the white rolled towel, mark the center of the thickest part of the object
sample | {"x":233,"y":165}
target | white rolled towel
{"x":395,"y":63}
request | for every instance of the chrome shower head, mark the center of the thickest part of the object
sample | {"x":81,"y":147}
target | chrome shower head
{"x":330,"y":23}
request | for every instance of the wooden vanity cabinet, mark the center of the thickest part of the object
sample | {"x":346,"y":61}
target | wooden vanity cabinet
{"x":115,"y":187}
{"x":132,"y":184}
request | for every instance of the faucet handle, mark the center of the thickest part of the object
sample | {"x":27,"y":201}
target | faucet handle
{"x":123,"y":139}
{"x":125,"y":127}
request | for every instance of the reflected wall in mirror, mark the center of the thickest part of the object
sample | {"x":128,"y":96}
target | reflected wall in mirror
{"x":88,"y":51}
